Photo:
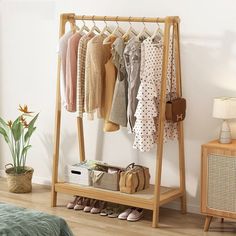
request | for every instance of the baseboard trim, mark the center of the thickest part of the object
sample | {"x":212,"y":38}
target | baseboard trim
{"x":40,"y":180}
{"x":173,"y":205}
{"x":35,"y":180}
{"x":191,"y":208}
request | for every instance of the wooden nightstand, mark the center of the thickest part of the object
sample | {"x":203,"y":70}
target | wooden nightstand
{"x":218,"y":181}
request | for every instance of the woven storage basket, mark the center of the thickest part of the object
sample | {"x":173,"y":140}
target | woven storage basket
{"x":19,"y":183}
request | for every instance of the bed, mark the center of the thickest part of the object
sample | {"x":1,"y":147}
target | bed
{"x":18,"y":221}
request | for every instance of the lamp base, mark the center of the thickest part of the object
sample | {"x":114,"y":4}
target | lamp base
{"x":225,"y":133}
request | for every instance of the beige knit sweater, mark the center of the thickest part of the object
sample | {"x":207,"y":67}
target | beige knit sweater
{"x":97,"y":55}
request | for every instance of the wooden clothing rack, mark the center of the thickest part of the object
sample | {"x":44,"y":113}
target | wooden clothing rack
{"x":156,"y":195}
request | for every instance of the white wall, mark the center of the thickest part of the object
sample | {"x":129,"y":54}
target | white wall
{"x":28,"y":46}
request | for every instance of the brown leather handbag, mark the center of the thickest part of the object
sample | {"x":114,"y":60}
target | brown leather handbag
{"x":134,"y":178}
{"x":175,"y":108}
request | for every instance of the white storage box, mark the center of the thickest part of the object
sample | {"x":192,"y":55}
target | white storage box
{"x":78,"y":174}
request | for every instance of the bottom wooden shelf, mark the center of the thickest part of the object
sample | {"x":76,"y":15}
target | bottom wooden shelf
{"x":143,"y":199}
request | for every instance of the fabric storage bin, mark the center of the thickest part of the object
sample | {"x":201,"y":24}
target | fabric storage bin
{"x":78,"y":174}
{"x":104,"y":180}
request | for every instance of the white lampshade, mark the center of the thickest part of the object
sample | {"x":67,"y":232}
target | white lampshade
{"x":224,"y":108}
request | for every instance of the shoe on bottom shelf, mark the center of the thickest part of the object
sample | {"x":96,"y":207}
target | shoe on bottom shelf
{"x":97,"y":207}
{"x":71,"y":205}
{"x":106,"y":211}
{"x":116,"y":211}
{"x":79,"y":204}
{"x":88,"y":205}
{"x":135,"y":215}
{"x":123,"y":215}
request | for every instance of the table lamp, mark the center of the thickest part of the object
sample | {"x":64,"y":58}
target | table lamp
{"x":225,"y":108}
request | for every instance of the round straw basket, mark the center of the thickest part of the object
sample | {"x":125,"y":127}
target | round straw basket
{"x":19,"y":183}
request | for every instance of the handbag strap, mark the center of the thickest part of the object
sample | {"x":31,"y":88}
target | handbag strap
{"x":171,"y":63}
{"x":178,"y":45}
{"x":131,"y":165}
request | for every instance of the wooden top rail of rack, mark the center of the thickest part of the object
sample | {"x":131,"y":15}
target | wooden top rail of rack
{"x":170,"y":19}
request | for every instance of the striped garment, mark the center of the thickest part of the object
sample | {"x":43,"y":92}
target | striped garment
{"x":81,"y":73}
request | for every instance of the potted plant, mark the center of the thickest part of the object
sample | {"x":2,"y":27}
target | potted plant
{"x":17,"y":135}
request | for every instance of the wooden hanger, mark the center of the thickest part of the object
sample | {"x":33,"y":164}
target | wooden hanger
{"x":144,"y":31}
{"x":106,"y":28}
{"x":115,"y":32}
{"x":130,"y":31}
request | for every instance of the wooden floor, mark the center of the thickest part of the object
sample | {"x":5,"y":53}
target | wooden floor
{"x":172,"y":222}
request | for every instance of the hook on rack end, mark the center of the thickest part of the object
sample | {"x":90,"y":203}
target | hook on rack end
{"x":117,"y":17}
{"x":93,"y":19}
{"x":143,"y":21}
{"x":104,"y":19}
{"x":130,"y":20}
{"x":83,"y":19}
{"x":157,"y":19}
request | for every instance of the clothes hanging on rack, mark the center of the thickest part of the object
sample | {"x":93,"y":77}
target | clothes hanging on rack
{"x":97,"y":55}
{"x":109,"y":85}
{"x":119,"y":104}
{"x":71,"y":71}
{"x":63,"y":44}
{"x":121,"y":82}
{"x":82,"y":48}
{"x":144,"y":127}
{"x":132,"y":59}
{"x":148,"y":109}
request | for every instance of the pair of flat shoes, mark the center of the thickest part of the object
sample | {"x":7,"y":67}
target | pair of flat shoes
{"x":131,"y":214}
{"x":94,"y":206}
{"x":111,"y":213}
{"x":80,"y":203}
{"x":71,"y":205}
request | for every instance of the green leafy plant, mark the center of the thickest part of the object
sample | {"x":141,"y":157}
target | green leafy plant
{"x":17,"y":135}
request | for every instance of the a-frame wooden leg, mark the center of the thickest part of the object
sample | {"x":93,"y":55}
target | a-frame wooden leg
{"x":159,"y":156}
{"x":57,"y":128}
{"x":207,"y":223}
{"x":180,"y":124}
